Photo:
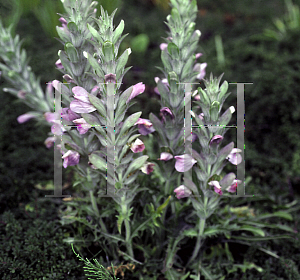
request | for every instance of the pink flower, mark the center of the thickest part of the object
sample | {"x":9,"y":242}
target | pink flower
{"x":216,"y":140}
{"x":232,"y":188}
{"x":70,"y":158}
{"x":145,"y":126}
{"x":163,"y":46}
{"x":57,"y":128}
{"x":147,"y":168}
{"x":82,"y":125}
{"x":234,"y":157}
{"x":69,"y":79}
{"x":197,"y":97}
{"x":68,"y":115}
{"x":184,"y":163}
{"x":63,"y":21}
{"x":198,"y":55}
{"x":21,"y":94}
{"x":137,"y":146}
{"x":49,"y":142}
{"x":25,"y":117}
{"x":217,"y":187}
{"x":200,"y":68}
{"x":110,"y":78}
{"x":166,"y":112}
{"x":182,"y":192}
{"x":137,"y":89}
{"x":165,"y":156}
{"x":81,"y":104}
{"x":51,"y":117}
{"x":59,"y":64}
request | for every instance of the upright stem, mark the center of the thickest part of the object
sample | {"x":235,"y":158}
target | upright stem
{"x":128,"y":241}
{"x":124,"y":212}
{"x":165,"y":210}
{"x":201,"y":231}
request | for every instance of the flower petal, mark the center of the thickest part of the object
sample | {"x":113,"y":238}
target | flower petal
{"x":165,"y":156}
{"x":71,"y":158}
{"x":81,"y":107}
{"x":137,"y":146}
{"x":184,"y":162}
{"x":182,"y":192}
{"x":25,"y":117}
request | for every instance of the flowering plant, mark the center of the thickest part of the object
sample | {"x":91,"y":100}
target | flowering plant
{"x":96,"y":142}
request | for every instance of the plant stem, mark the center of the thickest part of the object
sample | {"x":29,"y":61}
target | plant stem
{"x":165,"y":211}
{"x":128,"y":241}
{"x":201,"y":230}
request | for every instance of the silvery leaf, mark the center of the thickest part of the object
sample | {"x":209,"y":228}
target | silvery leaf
{"x":136,"y":164}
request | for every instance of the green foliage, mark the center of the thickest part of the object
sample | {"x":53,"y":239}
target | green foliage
{"x":140,"y":43}
{"x":32,"y":249}
{"x":97,"y":271}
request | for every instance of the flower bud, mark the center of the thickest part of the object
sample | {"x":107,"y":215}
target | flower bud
{"x":173,"y":80}
{"x":110,"y":78}
{"x":214,"y":111}
{"x":108,"y":51}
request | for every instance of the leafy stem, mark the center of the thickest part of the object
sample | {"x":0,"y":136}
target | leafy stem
{"x":199,"y":237}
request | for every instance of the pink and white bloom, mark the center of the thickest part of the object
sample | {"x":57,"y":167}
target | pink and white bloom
{"x":82,"y":125}
{"x":166,"y":112}
{"x":71,"y":158}
{"x":63,"y":21}
{"x":200,"y":68}
{"x":25,"y":117}
{"x":68,"y":115}
{"x":21,"y":94}
{"x":137,"y":89}
{"x":145,"y":126}
{"x":137,"y":146}
{"x":147,"y":168}
{"x":182,"y":192}
{"x":165,"y":156}
{"x":69,"y":79}
{"x":217,"y":187}
{"x":184,"y":162}
{"x":197,"y":97}
{"x":49,"y":142}
{"x":216,"y":140}
{"x":198,"y":55}
{"x":59,"y":64}
{"x":234,"y":157}
{"x":163,"y":46}
{"x":57,"y":128}
{"x":232,"y":188}
{"x":51,"y":117}
{"x":81,"y":104}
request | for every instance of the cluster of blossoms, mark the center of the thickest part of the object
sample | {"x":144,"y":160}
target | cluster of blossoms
{"x":81,"y":104}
